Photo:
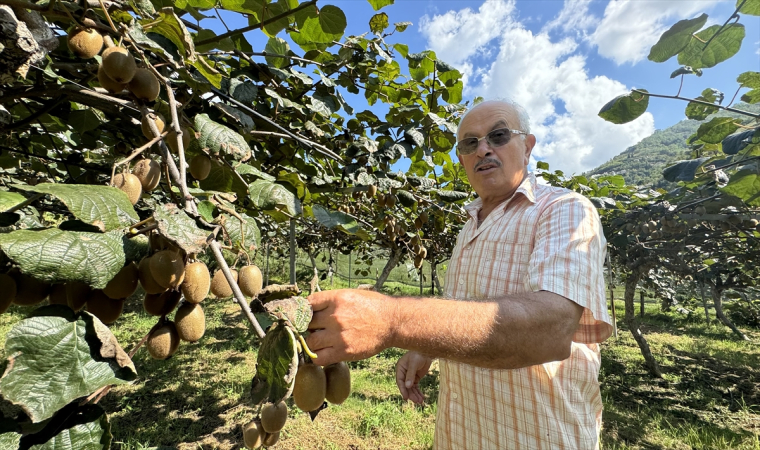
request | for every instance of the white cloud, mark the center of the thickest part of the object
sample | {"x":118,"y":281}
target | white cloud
{"x":630,"y":28}
{"x":573,"y":19}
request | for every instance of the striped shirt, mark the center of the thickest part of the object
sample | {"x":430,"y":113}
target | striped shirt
{"x":542,"y":238}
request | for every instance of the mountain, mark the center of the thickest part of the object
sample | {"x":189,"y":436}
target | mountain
{"x":642,"y":164}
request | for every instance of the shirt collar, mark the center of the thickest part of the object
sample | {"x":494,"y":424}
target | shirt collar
{"x":527,"y":188}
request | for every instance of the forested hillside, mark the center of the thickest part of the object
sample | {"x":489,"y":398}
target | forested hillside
{"x":643,"y":163}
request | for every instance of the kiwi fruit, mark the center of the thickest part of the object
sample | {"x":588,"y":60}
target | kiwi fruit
{"x":119,"y":64}
{"x":250,"y":280}
{"x":270,"y":439}
{"x":390,"y":201}
{"x":274,"y":416}
{"x":167,"y":268}
{"x":200,"y":166}
{"x":171,"y":139}
{"x":190,"y":322}
{"x":58,"y":295}
{"x":422,"y":252}
{"x":104,"y":307}
{"x":418,"y":261}
{"x":310,"y":387}
{"x":149,"y":174}
{"x":372,"y":190}
{"x":161,"y":304}
{"x":107,"y":83}
{"x":124,"y":283}
{"x":163,"y":342}
{"x":197,"y":282}
{"x":144,"y":85}
{"x":7,"y":291}
{"x":85,"y":42}
{"x":338,"y":378}
{"x":424,"y":217}
{"x":130,"y":184}
{"x":29,"y":291}
{"x":219,"y":286}
{"x":145,"y":125}
{"x":147,"y":281}
{"x":253,"y":435}
{"x":77,"y":294}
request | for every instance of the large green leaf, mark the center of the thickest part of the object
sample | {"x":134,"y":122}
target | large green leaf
{"x":336,"y":219}
{"x":321,"y":27}
{"x":168,"y":25}
{"x":683,"y":170}
{"x":57,"y":356}
{"x":84,"y":120}
{"x":175,"y":225}
{"x":378,"y":23}
{"x":751,"y":7}
{"x":625,"y":108}
{"x":253,"y":7}
{"x":223,"y":179}
{"x":105,"y":207}
{"x":267,"y":195}
{"x":246,"y":234}
{"x":10,"y":199}
{"x":676,"y":38}
{"x":85,"y":428}
{"x":749,"y":80}
{"x":278,"y":47}
{"x":377,"y":4}
{"x":276,"y":366}
{"x":745,"y":185}
{"x":752,"y":96}
{"x":57,"y":256}
{"x":219,"y":139}
{"x":723,"y":46}
{"x":295,"y":310}
{"x":714,"y":131}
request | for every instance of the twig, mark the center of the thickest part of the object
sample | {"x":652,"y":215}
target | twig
{"x":735,"y":14}
{"x":24,"y":204}
{"x":138,"y":151}
{"x":738,"y":111}
{"x":108,"y":16}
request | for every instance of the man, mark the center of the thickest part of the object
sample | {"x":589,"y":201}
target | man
{"x":525,"y":307}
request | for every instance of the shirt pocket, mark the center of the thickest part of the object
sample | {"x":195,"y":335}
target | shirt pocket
{"x":500,"y":267}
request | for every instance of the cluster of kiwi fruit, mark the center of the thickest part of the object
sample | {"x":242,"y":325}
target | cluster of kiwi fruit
{"x":145,"y":176}
{"x":313,"y":385}
{"x":249,"y":279}
{"x":420,"y":252}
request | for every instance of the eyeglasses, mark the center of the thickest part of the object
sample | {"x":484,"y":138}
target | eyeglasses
{"x":495,"y":138}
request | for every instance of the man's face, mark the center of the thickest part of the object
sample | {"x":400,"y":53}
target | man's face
{"x":495,"y":173}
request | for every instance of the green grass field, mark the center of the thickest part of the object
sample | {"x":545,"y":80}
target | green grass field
{"x":199,"y":399}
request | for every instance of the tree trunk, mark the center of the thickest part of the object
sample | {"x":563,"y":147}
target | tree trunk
{"x":421,"y":283}
{"x":717,"y":295}
{"x":292,"y":251}
{"x":314,"y":284}
{"x":704,"y":302}
{"x":641,"y":304}
{"x":393,"y":260}
{"x":330,"y":271}
{"x":633,"y":323}
{"x":436,"y":281}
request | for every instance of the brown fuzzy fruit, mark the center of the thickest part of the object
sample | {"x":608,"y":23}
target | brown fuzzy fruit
{"x":250,"y":280}
{"x":219,"y":286}
{"x":144,"y":85}
{"x":119,"y":64}
{"x":7,"y":292}
{"x":200,"y":166}
{"x":130,"y":185}
{"x":149,"y":174}
{"x":270,"y":439}
{"x":29,"y":291}
{"x":161,"y":304}
{"x":107,"y":83}
{"x":338,"y":382}
{"x":124,"y":283}
{"x":190,"y":322}
{"x":163,"y":342}
{"x":253,"y":435}
{"x":146,"y":279}
{"x":372,"y":191}
{"x":85,"y":42}
{"x":171,"y":139}
{"x":274,"y":416}
{"x":310,"y":387}
{"x":103,"y":307}
{"x":58,"y":295}
{"x":418,"y":261}
{"x":167,"y":268}
{"x":145,"y":125}
{"x":197,"y":282}
{"x":77,"y":294}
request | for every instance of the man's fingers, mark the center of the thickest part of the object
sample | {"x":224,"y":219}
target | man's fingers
{"x":326,"y":356}
{"x":320,"y":300}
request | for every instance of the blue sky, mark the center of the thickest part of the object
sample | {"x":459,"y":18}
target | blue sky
{"x":562,"y":60}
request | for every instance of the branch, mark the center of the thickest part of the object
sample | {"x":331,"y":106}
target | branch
{"x":256,"y":26}
{"x":738,"y":111}
{"x":735,"y":14}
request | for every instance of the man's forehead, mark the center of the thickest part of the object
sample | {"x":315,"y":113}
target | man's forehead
{"x":496,"y":123}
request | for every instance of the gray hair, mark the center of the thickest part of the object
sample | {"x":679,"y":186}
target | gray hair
{"x":522,"y":115}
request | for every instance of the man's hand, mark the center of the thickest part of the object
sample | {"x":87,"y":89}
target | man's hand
{"x":410,"y":369}
{"x":350,"y":324}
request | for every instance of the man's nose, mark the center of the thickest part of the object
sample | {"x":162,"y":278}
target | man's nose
{"x":483,"y":149}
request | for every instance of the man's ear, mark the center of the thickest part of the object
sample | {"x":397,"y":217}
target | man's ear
{"x":530,"y":142}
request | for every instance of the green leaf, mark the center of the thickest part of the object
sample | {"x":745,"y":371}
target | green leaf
{"x":86,"y":427}
{"x":451,"y":196}
{"x":722,"y":47}
{"x":453,"y":94}
{"x":378,"y":4}
{"x":225,"y":44}
{"x":699,"y":111}
{"x":402,"y":26}
{"x":296,"y":311}
{"x":749,"y":80}
{"x":322,"y":27}
{"x":179,"y":228}
{"x":625,"y":108}
{"x":335,"y":219}
{"x":675,"y":39}
{"x":737,"y":142}
{"x":683,"y":170}
{"x":57,"y":256}
{"x":220,"y":140}
{"x":267,"y":195}
{"x":204,"y":69}
{"x":745,"y":185}
{"x":279,"y":47}
{"x":403,"y":49}
{"x":10,"y":199}
{"x":206,"y":210}
{"x":57,"y":356}
{"x":10,"y":440}
{"x":246,"y":234}
{"x":378,"y":23}
{"x":751,"y":7}
{"x":406,"y":198}
{"x":84,"y":120}
{"x":752,"y":96}
{"x":171,"y":27}
{"x":542,"y":165}
{"x":253,"y":7}
{"x":276,"y":366}
{"x":243,"y":91}
{"x":332,"y":20}
{"x":223,"y":179}
{"x":714,"y":131}
{"x":105,"y":207}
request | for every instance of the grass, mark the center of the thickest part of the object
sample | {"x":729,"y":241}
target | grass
{"x":709,"y":397}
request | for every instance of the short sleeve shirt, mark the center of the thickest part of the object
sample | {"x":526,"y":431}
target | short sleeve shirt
{"x":542,"y":239}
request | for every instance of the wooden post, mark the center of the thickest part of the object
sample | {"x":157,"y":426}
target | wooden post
{"x":641,"y":303}
{"x":292,"y":251}
{"x":266,"y":277}
{"x":421,"y":281}
{"x":704,"y":302}
{"x":349,"y":270}
{"x":612,"y":297}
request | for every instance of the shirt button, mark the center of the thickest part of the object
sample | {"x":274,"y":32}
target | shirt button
{"x":461,"y":282}
{"x":454,"y":396}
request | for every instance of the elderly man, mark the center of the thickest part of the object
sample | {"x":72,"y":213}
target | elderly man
{"x":524,"y":310}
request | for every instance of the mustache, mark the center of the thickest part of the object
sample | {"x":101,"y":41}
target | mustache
{"x":487,"y":161}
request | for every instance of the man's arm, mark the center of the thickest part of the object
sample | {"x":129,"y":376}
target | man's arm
{"x":503,"y":333}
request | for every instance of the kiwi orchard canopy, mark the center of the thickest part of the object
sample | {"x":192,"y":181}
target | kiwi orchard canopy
{"x":140,"y":147}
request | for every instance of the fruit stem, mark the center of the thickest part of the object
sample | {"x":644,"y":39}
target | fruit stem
{"x":305,"y":347}
{"x":108,"y":16}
